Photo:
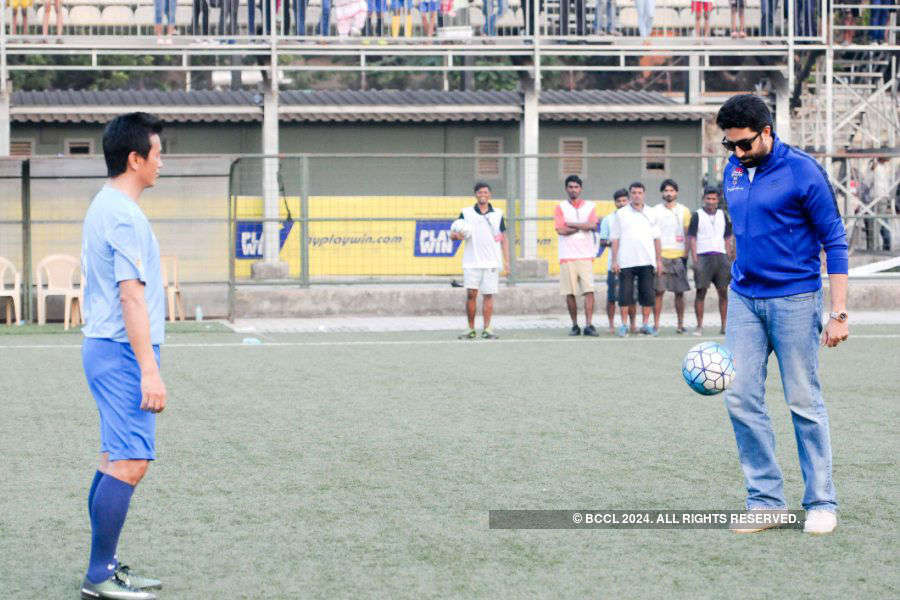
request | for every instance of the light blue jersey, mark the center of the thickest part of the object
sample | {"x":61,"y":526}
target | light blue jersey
{"x":117,"y":245}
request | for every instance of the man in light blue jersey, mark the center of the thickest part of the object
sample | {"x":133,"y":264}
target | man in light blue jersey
{"x":125,"y":324}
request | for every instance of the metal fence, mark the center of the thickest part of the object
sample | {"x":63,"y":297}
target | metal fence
{"x":347,"y":219}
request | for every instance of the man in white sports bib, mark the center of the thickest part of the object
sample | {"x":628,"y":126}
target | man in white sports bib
{"x":486,"y":252}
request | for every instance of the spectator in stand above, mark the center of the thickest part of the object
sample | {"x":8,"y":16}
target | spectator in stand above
{"x":429,"y":10}
{"x":402,"y":15}
{"x":17,"y":6}
{"x":605,"y":18}
{"x":879,"y":18}
{"x":493,"y":10}
{"x":645,"y":17}
{"x":701,"y":9}
{"x":167,"y":7}
{"x":57,"y":7}
{"x":737,"y":16}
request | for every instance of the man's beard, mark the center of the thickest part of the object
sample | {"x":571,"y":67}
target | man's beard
{"x":751,"y":162}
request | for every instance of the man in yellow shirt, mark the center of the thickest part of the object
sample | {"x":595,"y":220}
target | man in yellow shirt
{"x":673,"y":219}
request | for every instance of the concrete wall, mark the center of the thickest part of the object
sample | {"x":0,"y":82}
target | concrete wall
{"x":403,"y":176}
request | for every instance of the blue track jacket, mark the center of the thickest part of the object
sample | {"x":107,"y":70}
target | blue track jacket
{"x":781,"y":222}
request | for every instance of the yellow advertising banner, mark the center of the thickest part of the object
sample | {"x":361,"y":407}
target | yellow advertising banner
{"x":379,"y":235}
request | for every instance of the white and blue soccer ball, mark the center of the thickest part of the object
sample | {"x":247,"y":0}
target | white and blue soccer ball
{"x":461,"y":226}
{"x":708,"y":368}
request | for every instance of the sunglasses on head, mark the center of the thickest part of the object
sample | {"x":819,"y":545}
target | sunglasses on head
{"x":745,"y":145}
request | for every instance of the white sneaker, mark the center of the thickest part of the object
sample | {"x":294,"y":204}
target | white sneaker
{"x":820,"y":522}
{"x":759,"y":519}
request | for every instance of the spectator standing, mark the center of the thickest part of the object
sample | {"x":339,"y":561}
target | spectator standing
{"x":737,"y":19}
{"x":487,"y":250}
{"x":673,"y":219}
{"x":882,"y":193}
{"x":57,"y":6}
{"x":200,"y":17}
{"x":376,"y":10}
{"x":402,"y":11}
{"x":605,"y":18}
{"x":20,"y":6}
{"x":164,"y":8}
{"x":575,"y":221}
{"x":711,"y":245}
{"x":879,"y":18}
{"x":620,"y":198}
{"x":636,"y":250}
{"x":428,"y":9}
{"x":805,"y":18}
{"x":492,"y":10}
{"x":701,"y":9}
{"x":645,"y":17}
{"x":767,"y":18}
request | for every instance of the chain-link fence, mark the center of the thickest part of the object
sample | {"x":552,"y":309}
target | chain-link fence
{"x":349,"y":219}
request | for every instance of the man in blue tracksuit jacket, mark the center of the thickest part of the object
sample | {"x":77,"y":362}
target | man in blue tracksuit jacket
{"x":783,"y":212}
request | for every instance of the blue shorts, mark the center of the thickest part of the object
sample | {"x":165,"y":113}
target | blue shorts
{"x":114,"y":377}
{"x":400,"y":4}
{"x":427,"y":6}
{"x":377,"y":6}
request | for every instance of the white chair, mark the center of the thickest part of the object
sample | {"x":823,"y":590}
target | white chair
{"x":85,"y":18}
{"x":8,"y":271}
{"x":144,"y":15}
{"x":476,"y":18}
{"x":627,"y":18}
{"x":169,"y":266}
{"x":120,"y":18}
{"x":61,"y":274}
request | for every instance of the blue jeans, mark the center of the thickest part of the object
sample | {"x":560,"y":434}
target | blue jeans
{"x":879,"y":19}
{"x":790,"y":326}
{"x":645,"y":16}
{"x":164,"y":6}
{"x":605,"y":16}
{"x":767,"y":17}
{"x":492,"y":10}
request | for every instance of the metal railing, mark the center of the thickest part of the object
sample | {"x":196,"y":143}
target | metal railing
{"x":371,"y":218}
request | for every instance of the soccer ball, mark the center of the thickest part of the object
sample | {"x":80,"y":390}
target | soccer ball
{"x":708,"y":368}
{"x":461,"y":226}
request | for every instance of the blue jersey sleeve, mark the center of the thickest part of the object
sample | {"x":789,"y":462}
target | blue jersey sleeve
{"x":604,"y":228}
{"x":822,"y":211}
{"x":124,"y":240}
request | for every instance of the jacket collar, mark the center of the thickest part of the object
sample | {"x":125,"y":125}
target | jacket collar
{"x":772,"y":160}
{"x":489,"y":210}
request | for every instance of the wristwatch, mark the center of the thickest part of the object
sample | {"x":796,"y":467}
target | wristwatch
{"x":840,"y":317}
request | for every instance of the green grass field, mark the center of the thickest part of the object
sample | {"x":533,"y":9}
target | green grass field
{"x":364,"y":466}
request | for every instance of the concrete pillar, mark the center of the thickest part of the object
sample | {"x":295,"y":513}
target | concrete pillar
{"x":782,"y":108}
{"x":694,"y":75}
{"x":5,"y":94}
{"x":271,"y":267}
{"x":529,"y":138}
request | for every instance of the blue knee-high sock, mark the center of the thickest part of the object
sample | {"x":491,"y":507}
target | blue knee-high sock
{"x":109,"y":510}
{"x":97,"y":476}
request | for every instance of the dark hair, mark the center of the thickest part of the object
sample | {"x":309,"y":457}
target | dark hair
{"x":574,"y":178}
{"x":620,"y":193}
{"x":480,"y":185}
{"x":636,"y":184}
{"x":126,"y":134}
{"x":710,"y":190}
{"x":744,"y":110}
{"x":668,"y":182}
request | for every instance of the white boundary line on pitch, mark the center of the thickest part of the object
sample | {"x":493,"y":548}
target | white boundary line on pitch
{"x":421,"y":342}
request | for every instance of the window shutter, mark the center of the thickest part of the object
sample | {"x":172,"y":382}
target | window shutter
{"x":21,"y":147}
{"x":654,"y":152}
{"x":488,"y":168}
{"x":572,"y":161}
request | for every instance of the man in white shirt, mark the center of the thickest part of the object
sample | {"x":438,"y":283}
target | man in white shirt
{"x":484,"y":251}
{"x":576,"y":221}
{"x":711,"y":244}
{"x":636,"y":251}
{"x":673,"y":219}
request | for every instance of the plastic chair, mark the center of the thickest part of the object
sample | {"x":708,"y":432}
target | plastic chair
{"x":60,"y":273}
{"x":169,"y":265}
{"x":13,"y":294}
